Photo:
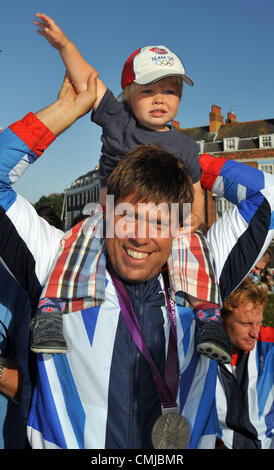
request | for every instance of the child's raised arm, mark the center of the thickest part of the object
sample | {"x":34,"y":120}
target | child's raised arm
{"x":78,"y":69}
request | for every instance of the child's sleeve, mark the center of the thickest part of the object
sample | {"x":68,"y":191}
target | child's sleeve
{"x":187,"y":150}
{"x":193,"y":163}
{"x":113,"y":117}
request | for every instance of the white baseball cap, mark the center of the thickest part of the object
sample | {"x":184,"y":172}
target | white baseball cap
{"x":150,"y":64}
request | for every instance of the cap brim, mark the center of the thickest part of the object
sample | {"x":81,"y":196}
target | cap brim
{"x":146,"y":80}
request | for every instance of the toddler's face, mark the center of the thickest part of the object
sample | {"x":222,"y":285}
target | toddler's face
{"x":156,"y":104}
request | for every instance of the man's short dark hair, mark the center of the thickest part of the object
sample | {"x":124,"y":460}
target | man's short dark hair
{"x":154,"y":175}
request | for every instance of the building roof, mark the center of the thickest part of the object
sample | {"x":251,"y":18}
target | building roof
{"x":247,"y":132}
{"x":198,"y":133}
{"x":85,"y":179}
{"x":244,"y":130}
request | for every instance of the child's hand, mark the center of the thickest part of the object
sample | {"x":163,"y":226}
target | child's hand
{"x":50,"y":31}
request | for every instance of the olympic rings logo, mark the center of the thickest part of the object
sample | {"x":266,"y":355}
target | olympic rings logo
{"x":164,"y":62}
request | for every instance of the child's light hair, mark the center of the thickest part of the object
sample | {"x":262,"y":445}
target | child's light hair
{"x":127,"y":92}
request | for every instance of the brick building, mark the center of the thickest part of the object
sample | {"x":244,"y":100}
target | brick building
{"x":250,"y":142}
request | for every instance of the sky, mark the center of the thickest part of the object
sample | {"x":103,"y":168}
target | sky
{"x":226,"y":48}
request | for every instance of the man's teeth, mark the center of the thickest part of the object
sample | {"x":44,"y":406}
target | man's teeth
{"x":136,"y":254}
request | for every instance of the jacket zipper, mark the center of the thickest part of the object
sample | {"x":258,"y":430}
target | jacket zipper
{"x":135,"y":438}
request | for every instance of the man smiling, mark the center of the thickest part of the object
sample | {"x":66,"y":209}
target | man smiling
{"x":140,"y":249}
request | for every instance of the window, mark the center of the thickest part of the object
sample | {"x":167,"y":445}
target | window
{"x":267,"y":168}
{"x":266,"y":141}
{"x":231,"y":144}
{"x":96,"y":194}
{"x":68,"y":220}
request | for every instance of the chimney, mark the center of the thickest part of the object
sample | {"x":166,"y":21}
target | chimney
{"x":231,"y":118}
{"x":215,"y":118}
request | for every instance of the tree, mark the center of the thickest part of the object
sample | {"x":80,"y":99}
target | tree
{"x":54,"y":200}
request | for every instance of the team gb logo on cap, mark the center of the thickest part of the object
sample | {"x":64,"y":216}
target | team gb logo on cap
{"x":158,"y":50}
{"x":162,"y":58}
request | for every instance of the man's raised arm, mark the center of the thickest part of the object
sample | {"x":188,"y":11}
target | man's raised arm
{"x":28,"y":244}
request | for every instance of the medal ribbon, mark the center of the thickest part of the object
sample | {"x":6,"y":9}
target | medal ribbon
{"x":167,"y":388}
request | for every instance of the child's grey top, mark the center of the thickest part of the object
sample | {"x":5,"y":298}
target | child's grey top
{"x":122,"y":132}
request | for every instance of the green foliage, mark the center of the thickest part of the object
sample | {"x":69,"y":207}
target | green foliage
{"x":269,"y":312}
{"x":54,"y":200}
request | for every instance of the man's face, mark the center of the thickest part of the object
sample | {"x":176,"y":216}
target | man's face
{"x":156,"y":104}
{"x":243,"y":326}
{"x":142,"y":240}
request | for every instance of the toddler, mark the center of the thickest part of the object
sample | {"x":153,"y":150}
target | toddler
{"x":152,"y":82}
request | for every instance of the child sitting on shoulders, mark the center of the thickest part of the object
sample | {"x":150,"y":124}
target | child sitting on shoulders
{"x":152,"y":83}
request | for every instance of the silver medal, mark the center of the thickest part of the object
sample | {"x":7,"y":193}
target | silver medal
{"x":170,"y":431}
